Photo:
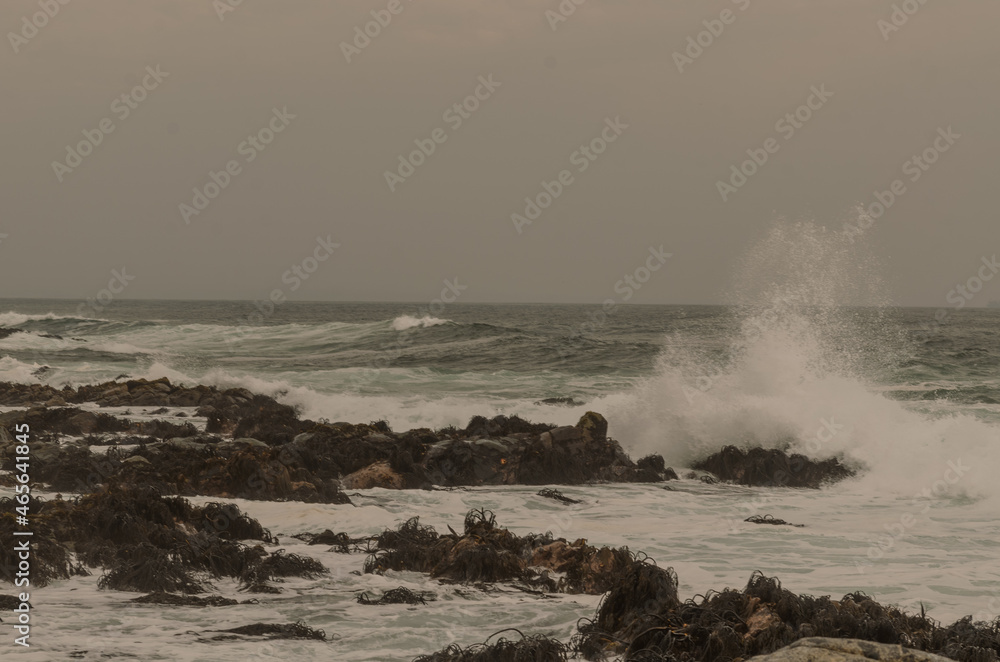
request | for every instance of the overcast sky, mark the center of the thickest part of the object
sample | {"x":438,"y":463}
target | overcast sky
{"x":324,"y":173}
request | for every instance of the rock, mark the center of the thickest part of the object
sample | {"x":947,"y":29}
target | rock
{"x":137,"y":461}
{"x":187,"y":443}
{"x":147,"y":397}
{"x":563,"y":401}
{"x":565,"y":435}
{"x":243,"y":441}
{"x":822,"y":649}
{"x":187,"y":398}
{"x":760,"y":467}
{"x":594,"y":426}
{"x":184,"y":600}
{"x":4,"y":333}
{"x":379,"y":474}
{"x":653,"y":463}
{"x":86,"y":421}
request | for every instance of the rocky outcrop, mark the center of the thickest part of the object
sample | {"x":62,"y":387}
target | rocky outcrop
{"x":760,"y":467}
{"x":821,"y":649}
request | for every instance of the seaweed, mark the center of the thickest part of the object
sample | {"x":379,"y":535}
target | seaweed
{"x":769,"y":519}
{"x":396,"y":596}
{"x":341,"y":542}
{"x":550,"y":493}
{"x":279,"y":564}
{"x":536,"y":648}
{"x":161,"y":598}
{"x":147,"y":569}
{"x":295,"y":630}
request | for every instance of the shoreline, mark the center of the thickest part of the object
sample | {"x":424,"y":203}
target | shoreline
{"x":240,"y":445}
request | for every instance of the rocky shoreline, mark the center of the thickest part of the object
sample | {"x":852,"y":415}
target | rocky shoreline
{"x":253,"y":447}
{"x":132,"y":524}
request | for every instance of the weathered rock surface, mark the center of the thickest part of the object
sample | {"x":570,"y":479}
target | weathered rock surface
{"x":822,"y":649}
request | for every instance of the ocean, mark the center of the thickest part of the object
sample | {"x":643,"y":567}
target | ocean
{"x":911,"y":402}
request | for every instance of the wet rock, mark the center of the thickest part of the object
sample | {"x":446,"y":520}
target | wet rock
{"x":594,"y":426}
{"x":6,"y":333}
{"x":379,"y":474}
{"x":772,"y":468}
{"x":396,"y":596}
{"x":557,"y":495}
{"x":184,"y":600}
{"x":9,"y":602}
{"x":821,"y":649}
{"x":274,"y":631}
{"x":562,"y":401}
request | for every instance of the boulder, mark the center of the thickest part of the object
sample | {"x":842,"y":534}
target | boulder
{"x":768,"y":467}
{"x":379,"y":474}
{"x":822,"y":649}
{"x":86,"y":421}
{"x":594,"y":427}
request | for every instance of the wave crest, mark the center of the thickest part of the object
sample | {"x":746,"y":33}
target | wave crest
{"x":404,"y":322}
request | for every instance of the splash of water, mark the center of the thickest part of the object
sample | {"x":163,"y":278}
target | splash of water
{"x":798,"y":369}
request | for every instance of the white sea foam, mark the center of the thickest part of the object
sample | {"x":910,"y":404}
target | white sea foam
{"x":404,"y":322}
{"x":794,"y":378}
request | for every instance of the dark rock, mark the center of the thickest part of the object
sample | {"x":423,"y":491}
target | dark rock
{"x":772,"y":468}
{"x":822,"y":649}
{"x":275,"y":631}
{"x":9,"y":602}
{"x":184,"y":600}
{"x":557,"y":495}
{"x":396,"y":596}
{"x":653,"y":463}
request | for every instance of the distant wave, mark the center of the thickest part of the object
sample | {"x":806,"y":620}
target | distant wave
{"x":17,"y":319}
{"x":404,"y":322}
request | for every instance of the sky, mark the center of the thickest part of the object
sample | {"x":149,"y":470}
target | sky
{"x":312,"y":117}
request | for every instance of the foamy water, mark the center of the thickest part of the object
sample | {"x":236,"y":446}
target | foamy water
{"x":944,"y":561}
